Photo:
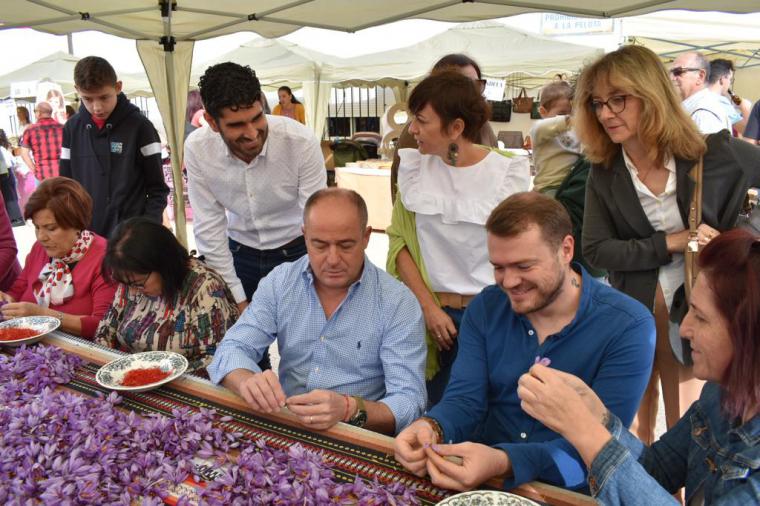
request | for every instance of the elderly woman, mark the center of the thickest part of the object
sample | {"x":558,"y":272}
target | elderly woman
{"x":165,"y":299}
{"x":714,"y":449}
{"x":289,"y":105}
{"x":447,"y":188}
{"x":61,"y":276}
{"x":643,"y":147}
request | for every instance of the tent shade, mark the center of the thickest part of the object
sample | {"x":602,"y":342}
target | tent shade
{"x":500,"y":51}
{"x":199,"y":19}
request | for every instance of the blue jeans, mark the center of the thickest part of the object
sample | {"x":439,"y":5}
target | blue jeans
{"x":252,"y":265}
{"x":437,"y":385}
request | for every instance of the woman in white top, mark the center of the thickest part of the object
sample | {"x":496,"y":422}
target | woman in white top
{"x":447,"y":188}
{"x":643,"y":147}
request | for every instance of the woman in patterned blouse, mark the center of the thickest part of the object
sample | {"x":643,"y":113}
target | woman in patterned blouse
{"x":166,"y":300}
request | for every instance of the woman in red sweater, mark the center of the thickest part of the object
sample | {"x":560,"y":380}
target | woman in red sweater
{"x":61,"y":276}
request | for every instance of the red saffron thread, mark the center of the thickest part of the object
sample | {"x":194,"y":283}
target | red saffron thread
{"x":140,"y":377}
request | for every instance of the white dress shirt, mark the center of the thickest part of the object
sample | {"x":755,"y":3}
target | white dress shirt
{"x":705,"y":109}
{"x":664,"y":216}
{"x":451,"y":206}
{"x":259,"y":204}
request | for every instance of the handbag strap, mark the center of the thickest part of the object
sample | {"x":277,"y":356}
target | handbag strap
{"x":695,"y":207}
{"x":522,"y":93}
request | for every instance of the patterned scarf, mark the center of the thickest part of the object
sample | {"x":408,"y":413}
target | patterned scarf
{"x":56,"y":276}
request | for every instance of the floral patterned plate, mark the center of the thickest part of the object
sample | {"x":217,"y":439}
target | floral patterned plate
{"x":486,"y":498}
{"x":42,"y":324}
{"x":112,"y":374}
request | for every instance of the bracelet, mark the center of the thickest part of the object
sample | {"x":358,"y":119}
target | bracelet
{"x":436,"y":427}
{"x":345,"y":415}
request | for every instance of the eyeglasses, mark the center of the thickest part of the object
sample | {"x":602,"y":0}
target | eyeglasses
{"x":615,"y":104}
{"x":482,"y":84}
{"x":679,"y":71}
{"x":138,"y":284}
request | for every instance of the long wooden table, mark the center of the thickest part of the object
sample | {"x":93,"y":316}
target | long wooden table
{"x":352,"y":451}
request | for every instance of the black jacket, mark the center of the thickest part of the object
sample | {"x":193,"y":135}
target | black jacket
{"x":119,"y":165}
{"x":617,"y":235}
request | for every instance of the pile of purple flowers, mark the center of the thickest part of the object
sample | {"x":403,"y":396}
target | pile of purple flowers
{"x":59,"y":447}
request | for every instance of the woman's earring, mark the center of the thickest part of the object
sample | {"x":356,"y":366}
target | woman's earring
{"x":453,"y":153}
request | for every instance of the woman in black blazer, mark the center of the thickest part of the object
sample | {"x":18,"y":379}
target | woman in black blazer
{"x":643,"y":147}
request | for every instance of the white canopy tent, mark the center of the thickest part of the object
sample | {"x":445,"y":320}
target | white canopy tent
{"x":165,"y":30}
{"x":58,"y":67}
{"x":500,"y":51}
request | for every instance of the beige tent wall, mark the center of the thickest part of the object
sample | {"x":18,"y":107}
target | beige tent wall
{"x":169,"y":75}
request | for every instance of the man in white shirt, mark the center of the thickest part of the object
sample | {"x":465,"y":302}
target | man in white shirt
{"x":249,"y":175}
{"x":690,"y":72}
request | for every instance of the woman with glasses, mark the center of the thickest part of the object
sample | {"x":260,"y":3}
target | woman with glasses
{"x":165,"y":300}
{"x":714,"y":449}
{"x":61,"y":276}
{"x":447,"y":187}
{"x":643,"y":147}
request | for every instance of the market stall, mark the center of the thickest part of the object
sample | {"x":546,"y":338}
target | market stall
{"x":349,"y":451}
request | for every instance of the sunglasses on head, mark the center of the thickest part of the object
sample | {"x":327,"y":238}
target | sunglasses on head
{"x":679,"y":71}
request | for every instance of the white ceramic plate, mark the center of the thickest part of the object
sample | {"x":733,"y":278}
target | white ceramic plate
{"x":42,"y":324}
{"x":112,"y":374}
{"x":486,"y":498}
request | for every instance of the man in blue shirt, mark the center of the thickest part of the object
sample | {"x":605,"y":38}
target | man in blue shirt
{"x":350,"y":337}
{"x":542,"y":307}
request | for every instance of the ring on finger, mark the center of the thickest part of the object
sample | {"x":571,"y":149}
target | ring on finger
{"x":311,"y":419}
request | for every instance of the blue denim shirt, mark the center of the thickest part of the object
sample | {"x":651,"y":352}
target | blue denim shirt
{"x":704,"y":449}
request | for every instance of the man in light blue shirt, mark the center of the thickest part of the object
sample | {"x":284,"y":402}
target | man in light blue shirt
{"x":350,"y":337}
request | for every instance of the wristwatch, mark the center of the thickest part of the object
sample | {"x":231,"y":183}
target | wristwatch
{"x":360,"y":417}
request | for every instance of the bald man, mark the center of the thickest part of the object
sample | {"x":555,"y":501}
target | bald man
{"x":42,"y":140}
{"x":690,"y":73}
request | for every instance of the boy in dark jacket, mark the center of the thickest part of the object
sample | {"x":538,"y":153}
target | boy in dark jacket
{"x":112,"y":150}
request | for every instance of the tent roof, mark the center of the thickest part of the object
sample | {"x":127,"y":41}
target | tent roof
{"x":499,"y":50}
{"x":724,"y":36}
{"x":275,"y":61}
{"x":59,"y":68}
{"x":197,"y":19}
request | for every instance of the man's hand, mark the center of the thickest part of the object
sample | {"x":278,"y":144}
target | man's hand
{"x":409,"y":446}
{"x":19,"y":309}
{"x":4,"y":297}
{"x":262,"y":391}
{"x":318,"y":409}
{"x":479,"y":463}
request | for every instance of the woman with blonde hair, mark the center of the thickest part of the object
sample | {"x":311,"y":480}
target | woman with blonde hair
{"x":643,"y":148}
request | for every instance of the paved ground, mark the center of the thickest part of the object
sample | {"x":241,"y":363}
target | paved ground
{"x":377,"y":251}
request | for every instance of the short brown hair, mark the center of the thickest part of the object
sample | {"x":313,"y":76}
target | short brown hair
{"x":452,"y":96}
{"x":338,"y":193}
{"x":554,"y":91}
{"x":69,"y":202}
{"x":521,"y":210}
{"x":94,"y":72}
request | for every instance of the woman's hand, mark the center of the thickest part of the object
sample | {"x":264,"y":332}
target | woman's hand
{"x":4,"y":297}
{"x":676,"y":243}
{"x":705,"y":234}
{"x":19,"y":309}
{"x":441,"y":326}
{"x":561,"y":401}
